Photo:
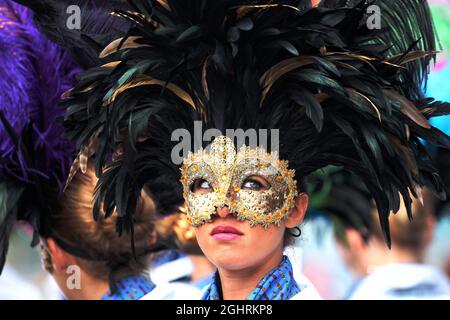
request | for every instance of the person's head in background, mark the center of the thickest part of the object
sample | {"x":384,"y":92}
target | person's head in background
{"x":442,"y":207}
{"x":442,"y":163}
{"x":76,"y":241}
{"x":35,"y":160}
{"x":176,"y":228}
{"x":410,"y":239}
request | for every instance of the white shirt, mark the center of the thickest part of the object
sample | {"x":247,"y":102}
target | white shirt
{"x":307,"y":289}
{"x":14,"y":287}
{"x":172,"y":270}
{"x":173,"y":291}
{"x":163,"y":277}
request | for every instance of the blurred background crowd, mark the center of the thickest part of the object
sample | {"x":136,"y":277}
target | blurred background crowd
{"x":321,"y":259}
{"x":329,"y":252}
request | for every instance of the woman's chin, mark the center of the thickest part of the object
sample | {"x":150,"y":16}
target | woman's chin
{"x":231,"y":262}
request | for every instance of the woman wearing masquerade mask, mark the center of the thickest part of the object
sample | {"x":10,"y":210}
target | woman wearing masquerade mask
{"x":242,"y":205}
{"x":336,"y":92}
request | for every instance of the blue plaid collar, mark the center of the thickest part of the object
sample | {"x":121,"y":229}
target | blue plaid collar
{"x":131,"y":288}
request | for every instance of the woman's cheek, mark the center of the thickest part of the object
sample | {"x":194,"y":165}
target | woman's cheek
{"x":200,"y":234}
{"x":205,"y":241}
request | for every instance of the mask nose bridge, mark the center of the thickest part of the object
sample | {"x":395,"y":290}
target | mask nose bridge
{"x":226,"y":194}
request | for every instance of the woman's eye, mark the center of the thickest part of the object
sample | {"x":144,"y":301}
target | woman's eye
{"x":249,"y":184}
{"x":201,"y":186}
{"x":255,"y":183}
{"x":205,"y":185}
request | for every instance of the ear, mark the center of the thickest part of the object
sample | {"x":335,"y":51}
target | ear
{"x":298,"y":212}
{"x":352,"y":251}
{"x":60,"y":258}
{"x":430,"y":227}
{"x":153,"y":239}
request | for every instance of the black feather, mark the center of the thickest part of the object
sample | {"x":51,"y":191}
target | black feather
{"x":339,"y":93}
{"x":98,"y":26}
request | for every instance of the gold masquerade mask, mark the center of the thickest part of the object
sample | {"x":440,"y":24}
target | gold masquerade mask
{"x":225,"y":181}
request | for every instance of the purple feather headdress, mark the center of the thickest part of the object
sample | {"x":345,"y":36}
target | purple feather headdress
{"x":34,"y":73}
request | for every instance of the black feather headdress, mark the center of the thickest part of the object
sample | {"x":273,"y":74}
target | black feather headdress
{"x":339,"y":92}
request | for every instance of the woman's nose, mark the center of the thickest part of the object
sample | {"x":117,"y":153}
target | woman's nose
{"x":223,"y":212}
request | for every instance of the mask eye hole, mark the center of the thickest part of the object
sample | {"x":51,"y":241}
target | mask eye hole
{"x":201,"y":186}
{"x":256,"y":183}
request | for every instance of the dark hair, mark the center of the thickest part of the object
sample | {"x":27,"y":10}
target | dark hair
{"x":73,"y":227}
{"x":177,"y":230}
{"x":407,"y":234}
{"x":291,"y":235}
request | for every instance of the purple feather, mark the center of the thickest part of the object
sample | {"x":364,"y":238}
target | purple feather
{"x":34,"y":73}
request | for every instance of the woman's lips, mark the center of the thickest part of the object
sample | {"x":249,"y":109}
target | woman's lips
{"x":225,"y":233}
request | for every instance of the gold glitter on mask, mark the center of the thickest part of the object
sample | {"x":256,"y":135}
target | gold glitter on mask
{"x":226,"y":171}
